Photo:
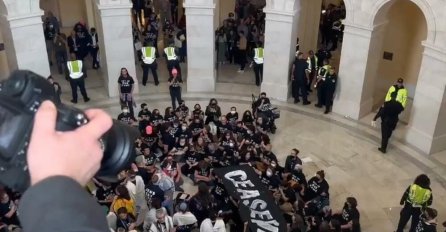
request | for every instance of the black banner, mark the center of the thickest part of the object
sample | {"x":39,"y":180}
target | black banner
{"x":256,"y":204}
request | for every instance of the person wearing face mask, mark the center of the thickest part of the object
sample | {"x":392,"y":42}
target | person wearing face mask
{"x":157,"y":118}
{"x":196,"y":127}
{"x":126,"y":117}
{"x":428,"y":221}
{"x":317,"y":189}
{"x":349,"y":216}
{"x":169,"y":115}
{"x":292,"y":160}
{"x":247,"y":118}
{"x":240,"y":132}
{"x":213,"y":112}
{"x":197,"y":112}
{"x":185,"y":132}
{"x":144,"y":111}
{"x":232,"y":116}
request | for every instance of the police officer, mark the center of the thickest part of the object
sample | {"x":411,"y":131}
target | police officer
{"x":389,"y":118}
{"x":416,"y":197}
{"x":300,"y":79}
{"x":258,"y":64}
{"x":172,"y":59}
{"x":312,"y":61}
{"x":320,"y":86}
{"x":401,"y":96}
{"x":330,"y":86}
{"x":94,"y":47}
{"x":149,"y":55}
{"x":76,"y":74}
{"x":51,"y":29}
{"x":175,"y":82}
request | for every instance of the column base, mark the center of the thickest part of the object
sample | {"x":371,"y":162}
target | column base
{"x":200,"y":84}
{"x":350,"y":108}
{"x":276,"y":91}
{"x":424,"y":142}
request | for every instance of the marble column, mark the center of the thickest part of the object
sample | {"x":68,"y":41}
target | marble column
{"x":280,"y":40}
{"x":89,"y":8}
{"x":116,"y":43}
{"x":22,"y":31}
{"x":309,"y":20}
{"x":357,"y":69}
{"x":427,"y":129}
{"x":200,"y":45}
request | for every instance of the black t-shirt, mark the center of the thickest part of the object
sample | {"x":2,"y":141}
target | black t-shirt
{"x":144,"y":112}
{"x":150,"y":159}
{"x":102,"y":194}
{"x":175,"y":83}
{"x":315,"y":188}
{"x":351,"y":215}
{"x":240,"y":132}
{"x":270,"y":157}
{"x":126,"y":118}
{"x":203,"y":171}
{"x":298,"y":176}
{"x":168,"y":140}
{"x":156,"y":119}
{"x":196,"y":128}
{"x":290,"y":194}
{"x":192,"y":158}
{"x":423,"y":227}
{"x":154,"y":191}
{"x":170,"y":117}
{"x":223,"y":128}
{"x":150,"y":140}
{"x":232,"y":118}
{"x":126,"y":84}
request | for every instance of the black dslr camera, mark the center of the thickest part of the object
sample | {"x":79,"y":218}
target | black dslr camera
{"x":20,"y":97}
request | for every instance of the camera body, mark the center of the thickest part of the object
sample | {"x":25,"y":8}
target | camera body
{"x":20,"y":97}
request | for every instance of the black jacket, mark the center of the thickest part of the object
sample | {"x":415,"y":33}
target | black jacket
{"x":389,"y":113}
{"x":60,"y":204}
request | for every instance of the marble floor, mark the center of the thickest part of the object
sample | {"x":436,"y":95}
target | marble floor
{"x":344,"y":148}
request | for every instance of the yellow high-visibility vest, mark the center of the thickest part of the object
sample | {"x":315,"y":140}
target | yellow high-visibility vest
{"x":258,"y":55}
{"x":418,"y":196}
{"x":310,"y":66}
{"x":148,"y":55}
{"x":75,"y":69}
{"x":401,"y":96}
{"x":170,"y":53}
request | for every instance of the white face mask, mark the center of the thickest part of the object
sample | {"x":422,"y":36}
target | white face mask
{"x":233,"y":112}
{"x":125,"y":111}
{"x":183,"y":128}
{"x":269,"y":173}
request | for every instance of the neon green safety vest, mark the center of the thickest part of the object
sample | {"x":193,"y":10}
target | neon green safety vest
{"x":418,"y":196}
{"x":170,"y":53}
{"x":148,"y":55}
{"x":258,"y":55}
{"x":323,"y":72}
{"x":401,"y":96}
{"x":75,"y":69}
{"x":310,"y":66}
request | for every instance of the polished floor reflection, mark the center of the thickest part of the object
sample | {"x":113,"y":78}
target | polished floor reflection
{"x":345,"y":149}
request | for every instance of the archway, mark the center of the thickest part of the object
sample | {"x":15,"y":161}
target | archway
{"x":397,"y":41}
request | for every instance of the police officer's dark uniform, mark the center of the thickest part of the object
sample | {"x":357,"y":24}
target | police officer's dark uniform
{"x":320,"y":84}
{"x":330,"y":86}
{"x":175,"y":82}
{"x":389,"y":118}
{"x":50,"y":33}
{"x":149,"y":55}
{"x":76,"y":74}
{"x":300,"y":80}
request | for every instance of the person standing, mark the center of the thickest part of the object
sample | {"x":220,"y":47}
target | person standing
{"x":126,"y":83}
{"x":221,"y":42}
{"x":330,"y":87}
{"x":94,"y":47}
{"x":312,"y":61}
{"x":258,"y":63}
{"x":242,"y":45}
{"x":76,"y":74}
{"x":175,"y":82}
{"x":149,"y":55}
{"x":300,"y":79}
{"x":172,"y":59}
{"x":73,"y":44}
{"x":51,"y":29}
{"x":389,"y":118}
{"x":416,"y":197}
{"x":57,"y":88}
{"x":60,"y":50}
{"x":401,"y":96}
{"x":320,"y":84}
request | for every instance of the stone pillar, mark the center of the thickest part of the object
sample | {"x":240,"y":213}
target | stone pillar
{"x":280,"y":40}
{"x":116,"y":43}
{"x":23,"y":36}
{"x":200,"y":45}
{"x":427,"y":129}
{"x":357,"y":69}
{"x":89,"y":8}
{"x":309,"y":20}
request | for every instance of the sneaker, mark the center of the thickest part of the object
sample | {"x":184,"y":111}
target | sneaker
{"x":326,"y":112}
{"x":73,"y":101}
{"x":382,"y":150}
{"x":306,"y":103}
{"x":87,"y":99}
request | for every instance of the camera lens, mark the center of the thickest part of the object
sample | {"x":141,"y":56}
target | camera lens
{"x":119,"y":151}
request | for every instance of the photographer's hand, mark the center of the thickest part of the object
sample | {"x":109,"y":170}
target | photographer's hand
{"x":75,"y":154}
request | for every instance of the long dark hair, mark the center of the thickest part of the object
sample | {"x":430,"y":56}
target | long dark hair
{"x":422,"y":181}
{"x":123,"y":192}
{"x":120,"y":73}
